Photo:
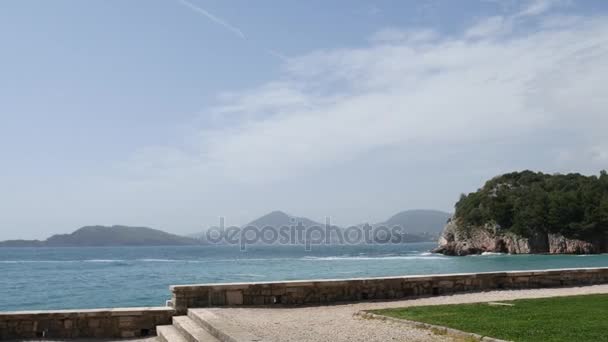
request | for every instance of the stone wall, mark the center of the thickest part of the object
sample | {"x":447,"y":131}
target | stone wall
{"x":102,"y":323}
{"x":350,"y":290}
{"x":141,"y":322}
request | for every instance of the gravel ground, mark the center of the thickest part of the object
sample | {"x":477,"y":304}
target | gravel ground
{"x":337,"y":323}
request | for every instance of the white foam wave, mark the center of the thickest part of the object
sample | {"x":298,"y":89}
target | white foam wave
{"x":249,"y":275}
{"x":102,"y":260}
{"x":36,"y":261}
{"x":420,"y":256}
{"x":56,"y":261}
{"x":404,"y":257}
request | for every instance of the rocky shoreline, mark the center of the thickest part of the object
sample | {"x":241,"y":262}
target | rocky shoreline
{"x":459,"y":241}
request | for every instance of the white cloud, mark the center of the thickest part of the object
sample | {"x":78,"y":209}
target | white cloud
{"x":396,"y":35}
{"x":501,"y":25}
{"x":337,"y":105}
{"x":492,"y":26}
{"x":537,"y":7}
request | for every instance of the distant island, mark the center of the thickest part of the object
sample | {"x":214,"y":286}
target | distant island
{"x":97,"y":236}
{"x":531,"y":212}
{"x":420,"y":225}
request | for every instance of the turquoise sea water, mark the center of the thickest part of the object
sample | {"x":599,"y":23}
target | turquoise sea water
{"x":71,"y":278}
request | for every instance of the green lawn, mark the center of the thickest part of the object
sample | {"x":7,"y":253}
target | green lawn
{"x":576,"y":318}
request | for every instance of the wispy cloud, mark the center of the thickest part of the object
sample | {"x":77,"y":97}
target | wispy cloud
{"x":538,"y":7}
{"x":492,"y":26}
{"x":214,"y":18}
{"x":238,"y":32}
{"x":336,"y":105}
{"x":395,"y":35}
{"x":501,"y":25}
{"x":374,"y":10}
{"x":277,"y":54}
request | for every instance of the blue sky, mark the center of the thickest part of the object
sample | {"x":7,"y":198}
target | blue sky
{"x":171,"y":113}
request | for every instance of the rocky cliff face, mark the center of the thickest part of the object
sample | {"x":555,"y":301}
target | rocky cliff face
{"x":455,"y":240}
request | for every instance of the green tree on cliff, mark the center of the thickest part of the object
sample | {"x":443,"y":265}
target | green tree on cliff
{"x":529,"y":203}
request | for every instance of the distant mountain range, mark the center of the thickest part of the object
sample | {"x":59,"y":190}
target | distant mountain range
{"x":94,"y":236}
{"x":420,"y":225}
{"x":276,"y":218}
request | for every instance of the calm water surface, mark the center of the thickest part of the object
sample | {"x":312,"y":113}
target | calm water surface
{"x":74,"y":278}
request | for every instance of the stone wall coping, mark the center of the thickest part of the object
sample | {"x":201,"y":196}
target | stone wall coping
{"x":133,"y":311}
{"x":426,"y":277}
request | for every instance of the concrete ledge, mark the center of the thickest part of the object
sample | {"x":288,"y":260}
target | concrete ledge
{"x":328,"y":291}
{"x":221,"y":329}
{"x":98,"y":323}
{"x":437,"y":328}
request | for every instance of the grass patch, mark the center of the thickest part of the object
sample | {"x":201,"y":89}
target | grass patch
{"x":576,"y":318}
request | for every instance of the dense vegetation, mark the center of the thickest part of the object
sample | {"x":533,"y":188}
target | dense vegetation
{"x":576,"y":318}
{"x":528,"y":203}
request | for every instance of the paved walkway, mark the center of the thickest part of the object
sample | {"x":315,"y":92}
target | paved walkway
{"x":337,"y":323}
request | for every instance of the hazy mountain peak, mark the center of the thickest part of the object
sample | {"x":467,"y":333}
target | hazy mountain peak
{"x":277,"y":214}
{"x":279,"y":218}
{"x":420,"y":220}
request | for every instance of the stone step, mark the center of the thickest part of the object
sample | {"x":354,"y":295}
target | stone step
{"x":191,"y":330}
{"x":219,"y":327}
{"x":169,"y":333}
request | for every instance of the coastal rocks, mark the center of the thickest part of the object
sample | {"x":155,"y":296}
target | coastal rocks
{"x":456,"y":240}
{"x":558,"y":244}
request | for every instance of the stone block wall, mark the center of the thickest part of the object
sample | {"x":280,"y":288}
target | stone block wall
{"x":103,"y":323}
{"x":141,"y":322}
{"x":352,"y":290}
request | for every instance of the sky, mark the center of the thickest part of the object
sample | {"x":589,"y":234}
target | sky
{"x":172,"y":113}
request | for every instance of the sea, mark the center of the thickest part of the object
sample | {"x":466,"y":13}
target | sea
{"x":104,"y":277}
